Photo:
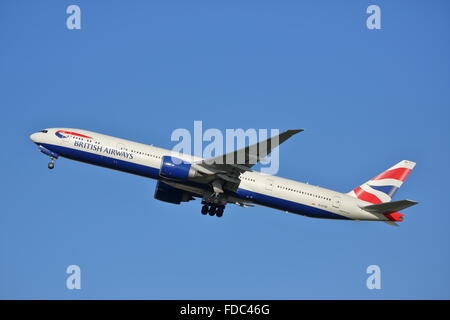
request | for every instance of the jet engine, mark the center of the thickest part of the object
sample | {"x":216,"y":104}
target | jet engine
{"x":175,"y":168}
{"x":166,"y":193}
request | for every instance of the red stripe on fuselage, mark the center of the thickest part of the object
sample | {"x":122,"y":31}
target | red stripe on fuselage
{"x":74,"y":134}
{"x":365,"y":196}
{"x":397,"y":174}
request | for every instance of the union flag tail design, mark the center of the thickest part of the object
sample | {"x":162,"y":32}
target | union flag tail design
{"x":382,"y":188}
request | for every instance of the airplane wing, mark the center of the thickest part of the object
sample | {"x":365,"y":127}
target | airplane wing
{"x":228,"y":167}
{"x":247,"y":157}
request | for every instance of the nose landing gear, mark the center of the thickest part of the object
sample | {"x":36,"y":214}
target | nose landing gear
{"x":51,"y":164}
{"x":53,"y":156}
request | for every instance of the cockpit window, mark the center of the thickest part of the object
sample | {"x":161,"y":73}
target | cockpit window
{"x":44,"y":131}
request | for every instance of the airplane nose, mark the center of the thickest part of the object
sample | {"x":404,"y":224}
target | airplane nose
{"x":33,"y":137}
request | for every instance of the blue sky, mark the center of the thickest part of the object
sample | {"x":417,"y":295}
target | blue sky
{"x":367,"y":99}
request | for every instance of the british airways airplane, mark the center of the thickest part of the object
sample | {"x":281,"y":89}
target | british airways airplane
{"x":217,"y":181}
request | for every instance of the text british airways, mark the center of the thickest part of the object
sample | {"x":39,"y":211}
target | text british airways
{"x":109,"y":151}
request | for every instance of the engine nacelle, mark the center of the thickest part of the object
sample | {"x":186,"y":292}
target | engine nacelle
{"x":166,"y":193}
{"x":175,"y":168}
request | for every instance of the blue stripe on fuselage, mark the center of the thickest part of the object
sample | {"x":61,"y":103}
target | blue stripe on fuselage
{"x":153,"y":173}
{"x":286,"y":205}
{"x":104,"y":161}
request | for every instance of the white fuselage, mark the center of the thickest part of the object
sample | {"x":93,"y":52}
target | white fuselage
{"x":255,"y":187}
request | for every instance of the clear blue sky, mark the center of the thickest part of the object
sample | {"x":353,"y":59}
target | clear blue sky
{"x":367,"y":100}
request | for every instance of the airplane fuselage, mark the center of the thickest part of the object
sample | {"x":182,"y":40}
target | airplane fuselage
{"x":255,"y":187}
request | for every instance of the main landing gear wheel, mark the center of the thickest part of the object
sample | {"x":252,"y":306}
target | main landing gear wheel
{"x":213,"y":210}
{"x":219,"y":211}
{"x":51,"y":165}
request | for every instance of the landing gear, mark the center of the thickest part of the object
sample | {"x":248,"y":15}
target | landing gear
{"x":53,"y":156}
{"x":213,"y":210}
{"x":51,"y":164}
{"x":219,"y":211}
{"x":214,"y":204}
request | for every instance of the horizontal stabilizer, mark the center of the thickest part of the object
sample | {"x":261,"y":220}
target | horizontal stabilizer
{"x":391,"y":223}
{"x":389,"y":207}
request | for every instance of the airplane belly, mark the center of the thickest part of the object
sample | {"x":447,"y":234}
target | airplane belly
{"x":287,"y":205}
{"x":105,"y":161}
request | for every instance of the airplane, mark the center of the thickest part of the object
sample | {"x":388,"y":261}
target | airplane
{"x":181,"y":177}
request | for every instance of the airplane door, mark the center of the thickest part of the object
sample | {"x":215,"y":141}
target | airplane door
{"x":269,"y":184}
{"x":337,"y":202}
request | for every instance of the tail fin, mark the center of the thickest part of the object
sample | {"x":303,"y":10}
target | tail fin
{"x":382,"y":188}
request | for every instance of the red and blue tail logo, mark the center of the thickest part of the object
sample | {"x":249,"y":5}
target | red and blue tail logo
{"x":382,"y":188}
